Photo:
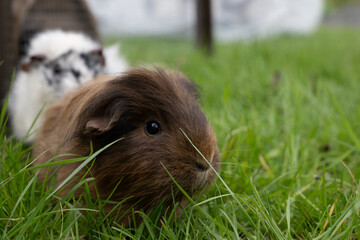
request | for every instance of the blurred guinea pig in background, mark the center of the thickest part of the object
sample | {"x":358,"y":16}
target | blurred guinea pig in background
{"x":55,"y":63}
{"x":158,"y":120}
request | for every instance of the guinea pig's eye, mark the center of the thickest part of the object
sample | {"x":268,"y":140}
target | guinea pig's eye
{"x":152,"y":128}
{"x":57,"y":69}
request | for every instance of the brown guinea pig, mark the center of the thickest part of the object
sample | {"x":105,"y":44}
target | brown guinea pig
{"x":152,"y":112}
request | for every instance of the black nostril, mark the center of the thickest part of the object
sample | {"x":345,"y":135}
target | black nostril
{"x":201,"y":166}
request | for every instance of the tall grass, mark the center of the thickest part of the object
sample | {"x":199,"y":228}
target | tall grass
{"x":286,"y":113}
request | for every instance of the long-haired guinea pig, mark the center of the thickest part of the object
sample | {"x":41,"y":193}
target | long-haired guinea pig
{"x":158,"y":120}
{"x":56,"y":63}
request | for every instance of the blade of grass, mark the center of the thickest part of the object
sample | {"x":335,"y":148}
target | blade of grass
{"x":82,"y":165}
{"x":344,"y":119}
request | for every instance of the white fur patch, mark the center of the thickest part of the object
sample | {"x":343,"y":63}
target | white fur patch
{"x":41,"y":85}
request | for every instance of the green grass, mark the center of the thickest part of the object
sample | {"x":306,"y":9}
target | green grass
{"x":286,"y":114}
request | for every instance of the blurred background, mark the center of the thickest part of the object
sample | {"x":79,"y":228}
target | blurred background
{"x":204,"y":21}
{"x":231,"y":19}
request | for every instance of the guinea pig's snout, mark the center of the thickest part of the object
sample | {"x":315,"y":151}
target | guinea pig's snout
{"x":202,"y":166}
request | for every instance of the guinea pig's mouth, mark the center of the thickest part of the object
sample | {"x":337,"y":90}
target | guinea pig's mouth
{"x":205,"y":172}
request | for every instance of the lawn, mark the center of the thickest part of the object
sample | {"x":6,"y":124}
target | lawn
{"x":286,"y":113}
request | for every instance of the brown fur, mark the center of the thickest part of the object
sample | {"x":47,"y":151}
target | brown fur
{"x":111,"y":108}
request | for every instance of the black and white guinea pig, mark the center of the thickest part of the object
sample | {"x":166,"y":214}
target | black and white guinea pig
{"x":56,"y":63}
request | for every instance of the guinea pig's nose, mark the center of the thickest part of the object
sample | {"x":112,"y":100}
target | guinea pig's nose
{"x":202,"y":166}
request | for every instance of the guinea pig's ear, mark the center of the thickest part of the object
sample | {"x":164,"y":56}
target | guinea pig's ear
{"x":33,"y":60}
{"x":194,"y":89}
{"x":97,"y":54}
{"x":189,"y":85}
{"x":100,"y":125}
